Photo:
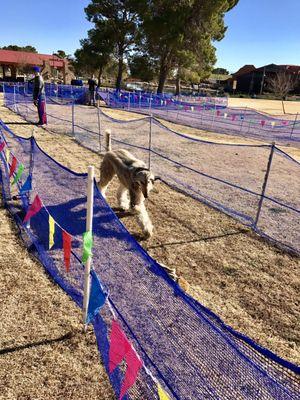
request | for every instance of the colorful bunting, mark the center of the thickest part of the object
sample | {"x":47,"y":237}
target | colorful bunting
{"x":51,"y":231}
{"x":26,"y":186}
{"x":262,"y":122}
{"x":7,"y":155}
{"x":218,"y":112}
{"x":119,"y":346}
{"x":97,"y":298}
{"x":119,"y":349}
{"x":2,"y":145}
{"x":284,"y":122}
{"x":67,"y":243}
{"x":18,"y":174}
{"x":161,"y":393}
{"x":273,"y":123}
{"x":87,"y":246}
{"x":13,"y":166}
{"x":134,"y":364}
{"x":34,"y":208}
{"x":225,"y":115}
{"x":233,"y":117}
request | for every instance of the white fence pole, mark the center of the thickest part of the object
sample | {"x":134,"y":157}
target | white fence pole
{"x":108,"y":140}
{"x":89,"y":228}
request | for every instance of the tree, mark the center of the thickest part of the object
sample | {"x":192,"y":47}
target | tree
{"x":62,"y":54}
{"x":220,"y":71}
{"x":14,"y":47}
{"x":142,"y":68}
{"x":281,"y":84}
{"x":94,"y":54}
{"x":117,"y":19}
{"x":170,"y":27}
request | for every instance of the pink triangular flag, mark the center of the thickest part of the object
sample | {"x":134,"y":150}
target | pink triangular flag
{"x":263,"y":122}
{"x":2,"y":145}
{"x":119,"y":346}
{"x":134,"y":364}
{"x":34,"y":208}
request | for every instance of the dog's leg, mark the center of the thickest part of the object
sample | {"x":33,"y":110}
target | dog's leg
{"x":143,"y":219}
{"x":123,"y":198}
{"x":106,"y":175}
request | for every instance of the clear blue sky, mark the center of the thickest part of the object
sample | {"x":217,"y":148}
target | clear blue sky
{"x":259,"y":31}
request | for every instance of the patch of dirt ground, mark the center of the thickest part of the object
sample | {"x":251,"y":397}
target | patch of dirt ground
{"x":250,"y":284}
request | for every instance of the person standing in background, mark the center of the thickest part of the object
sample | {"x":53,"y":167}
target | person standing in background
{"x":39,"y":97}
{"x":92,"y":91}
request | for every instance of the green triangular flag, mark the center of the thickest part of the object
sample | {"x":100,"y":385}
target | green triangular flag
{"x":87,"y":246}
{"x":19,"y":173}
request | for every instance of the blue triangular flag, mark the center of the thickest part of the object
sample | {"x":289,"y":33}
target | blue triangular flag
{"x":97,"y":297}
{"x":27,"y":185}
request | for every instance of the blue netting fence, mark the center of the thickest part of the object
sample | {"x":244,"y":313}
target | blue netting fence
{"x":183,"y":345}
{"x":211,"y":114}
{"x":232,"y":178}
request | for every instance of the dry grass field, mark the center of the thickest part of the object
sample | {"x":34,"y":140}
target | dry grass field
{"x":252,"y":285}
{"x":268,"y":106}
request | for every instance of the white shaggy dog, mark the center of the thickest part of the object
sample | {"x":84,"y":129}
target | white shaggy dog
{"x":135,"y":180}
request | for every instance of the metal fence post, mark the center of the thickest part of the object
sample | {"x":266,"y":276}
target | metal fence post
{"x":73,"y":118}
{"x":150,"y":142}
{"x":108,"y":140}
{"x":128,"y":101}
{"x":15,"y":105}
{"x":99,"y":127}
{"x":293,"y":126}
{"x":264,"y":185}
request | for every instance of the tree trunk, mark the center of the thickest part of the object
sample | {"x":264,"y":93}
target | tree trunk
{"x":120,"y":73}
{"x":100,"y":75}
{"x":178,"y":88}
{"x":162,"y":78}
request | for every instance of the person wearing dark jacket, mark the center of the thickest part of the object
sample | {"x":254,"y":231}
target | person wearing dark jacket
{"x":39,"y":98}
{"x":92,"y":91}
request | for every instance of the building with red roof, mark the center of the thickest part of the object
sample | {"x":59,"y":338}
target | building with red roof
{"x":14,"y":60}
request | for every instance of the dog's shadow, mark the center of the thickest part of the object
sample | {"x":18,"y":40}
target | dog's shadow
{"x":121,"y":213}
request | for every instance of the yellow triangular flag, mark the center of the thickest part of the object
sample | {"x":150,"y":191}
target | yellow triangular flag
{"x":51,"y":231}
{"x":273,"y":123}
{"x":7,"y":154}
{"x":162,"y":394}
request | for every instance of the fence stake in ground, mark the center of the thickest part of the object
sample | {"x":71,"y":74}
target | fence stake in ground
{"x":89,"y":228}
{"x":108,"y":140}
{"x":150,"y":141}
{"x":15,"y":104}
{"x":99,"y":127}
{"x":73,"y":118}
{"x":264,"y":185}
{"x":294,"y":124}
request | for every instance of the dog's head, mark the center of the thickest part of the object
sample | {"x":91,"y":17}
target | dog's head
{"x":143,"y":179}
